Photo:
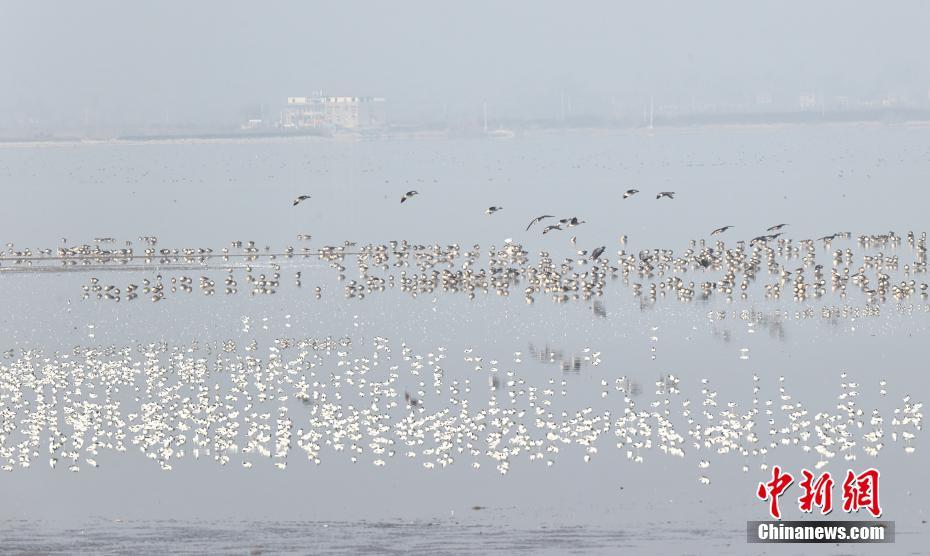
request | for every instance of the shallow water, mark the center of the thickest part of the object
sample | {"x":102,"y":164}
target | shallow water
{"x":819,"y":180}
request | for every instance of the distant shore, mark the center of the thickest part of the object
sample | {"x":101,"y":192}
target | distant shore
{"x":272,"y":136}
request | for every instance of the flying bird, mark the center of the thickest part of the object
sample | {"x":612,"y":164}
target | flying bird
{"x":775,"y":227}
{"x":409,"y":195}
{"x":538,"y":219}
{"x":669,"y":194}
{"x":492,"y":210}
{"x":720,"y":230}
{"x":630,"y":192}
{"x":598,"y":252}
{"x":763,"y":239}
{"x":548,"y":229}
{"x":570,"y":222}
{"x":300,"y":199}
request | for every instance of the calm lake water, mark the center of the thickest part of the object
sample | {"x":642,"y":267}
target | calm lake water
{"x":610,"y":356}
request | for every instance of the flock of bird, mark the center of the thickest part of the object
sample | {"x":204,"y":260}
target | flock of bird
{"x":574,"y":221}
{"x":306,"y":401}
{"x":568,"y":222}
{"x":873,"y":269}
{"x":377,"y":403}
{"x":767,"y":264}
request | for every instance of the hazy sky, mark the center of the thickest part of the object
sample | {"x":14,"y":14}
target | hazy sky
{"x":178,"y":61}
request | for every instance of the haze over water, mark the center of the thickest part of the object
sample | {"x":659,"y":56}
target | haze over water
{"x":819,"y":180}
{"x":605,"y":309}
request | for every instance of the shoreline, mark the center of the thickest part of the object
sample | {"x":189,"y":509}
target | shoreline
{"x":218,"y":138}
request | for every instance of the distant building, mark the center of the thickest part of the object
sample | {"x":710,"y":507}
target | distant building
{"x":331,"y":112}
{"x":763,"y":98}
{"x":807,"y":100}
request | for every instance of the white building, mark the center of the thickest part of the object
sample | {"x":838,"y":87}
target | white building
{"x":331,"y":112}
{"x":807,"y":100}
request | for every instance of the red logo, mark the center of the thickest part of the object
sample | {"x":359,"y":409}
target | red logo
{"x":816,"y":493}
{"x":773,"y":489}
{"x":859,"y":491}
